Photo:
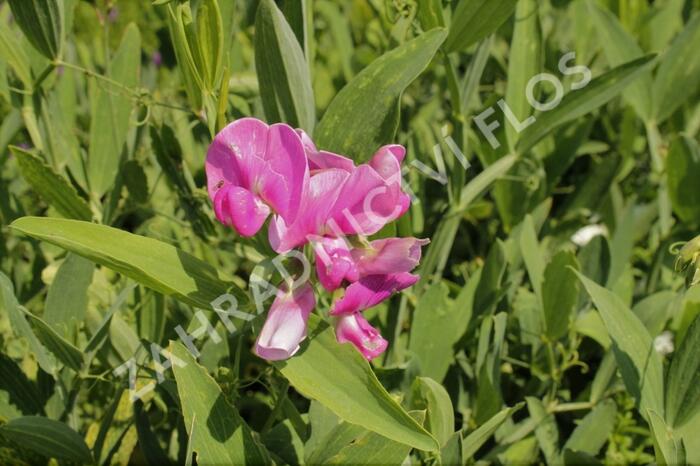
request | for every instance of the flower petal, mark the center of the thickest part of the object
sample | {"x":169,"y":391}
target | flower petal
{"x":235,"y":154}
{"x":389,"y":255}
{"x":237,"y":207}
{"x":355,"y":329}
{"x":370,"y":291}
{"x":285,"y":327}
{"x":334,"y":262}
{"x":285,"y":176}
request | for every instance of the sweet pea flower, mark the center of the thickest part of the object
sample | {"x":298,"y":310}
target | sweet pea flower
{"x":355,"y":329}
{"x":285,"y":327}
{"x":254,"y":170}
{"x":334,"y":262}
{"x":344,"y":199}
{"x":371,"y":290}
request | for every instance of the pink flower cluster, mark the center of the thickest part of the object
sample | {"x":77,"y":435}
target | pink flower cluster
{"x":315,"y":197}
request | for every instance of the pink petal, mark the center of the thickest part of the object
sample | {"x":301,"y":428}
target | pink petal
{"x":370,"y":291}
{"x":319,"y":160}
{"x":237,"y":207}
{"x":285,"y":327}
{"x":389,"y":255}
{"x":355,"y":329}
{"x":334,"y":262}
{"x":235,"y":154}
{"x":324,"y":188}
{"x":282,"y":182}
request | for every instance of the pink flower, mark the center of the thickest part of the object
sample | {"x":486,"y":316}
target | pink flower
{"x":389,"y":255}
{"x":334,"y":262}
{"x":355,"y":329}
{"x":285,"y":327}
{"x":254,"y":169}
{"x":371,"y":290}
{"x":344,"y":199}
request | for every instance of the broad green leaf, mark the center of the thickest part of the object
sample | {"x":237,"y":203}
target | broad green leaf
{"x":559,"y":293}
{"x":639,"y":363}
{"x":49,"y":438}
{"x":580,"y":102}
{"x":22,"y":392}
{"x":679,"y":72}
{"x":524,"y":62}
{"x":669,"y":446}
{"x":111,"y":111}
{"x":340,"y":436}
{"x":219,"y":434}
{"x":51,"y":186}
{"x":20,"y":327}
{"x":62,"y":349}
{"x":429,"y":395}
{"x":66,"y":301}
{"x":13,"y":54}
{"x":339,"y":377}
{"x":364,"y":114}
{"x":593,"y":430}
{"x":683,"y":379}
{"x":371,"y":449}
{"x":490,"y":288}
{"x":546,"y":429}
{"x":620,"y":48}
{"x":285,"y":83}
{"x":148,"y":442}
{"x":42,"y":23}
{"x":475,"y":19}
{"x":430,"y":14}
{"x":283,"y":441}
{"x":682,"y":171}
{"x":432,"y":337}
{"x":152,"y":263}
{"x":210,"y":35}
{"x":476,"y":439}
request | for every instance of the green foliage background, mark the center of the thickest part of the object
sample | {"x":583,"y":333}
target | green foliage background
{"x":519,"y":344}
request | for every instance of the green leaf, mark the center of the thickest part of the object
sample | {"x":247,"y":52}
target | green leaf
{"x":679,"y":72}
{"x":339,"y":377}
{"x":364,"y":114}
{"x":683,"y":379}
{"x":620,"y":48}
{"x":21,"y":391}
{"x":476,"y":439}
{"x":371,"y":449}
{"x":593,"y":430}
{"x":580,"y":102}
{"x":47,"y":437}
{"x":152,"y":263}
{"x":210,"y":35}
{"x":20,"y":326}
{"x":219,"y":434}
{"x":546,"y":429}
{"x":639,"y":363}
{"x":683,"y":170}
{"x":42,"y":23}
{"x":67,"y":298}
{"x":560,"y":292}
{"x":148,"y":442}
{"x":13,"y":54}
{"x":433,"y":332}
{"x":524,"y":62}
{"x":62,"y":349}
{"x":111,"y":111}
{"x":475,"y":19}
{"x":668,"y":445}
{"x":532,"y":255}
{"x":51,"y":186}
{"x":285,"y":83}
{"x":179,"y":21}
{"x":429,"y":395}
{"x":490,"y":288}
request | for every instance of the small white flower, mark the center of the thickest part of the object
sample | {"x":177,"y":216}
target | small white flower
{"x":584,"y":236}
{"x":663,"y":344}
